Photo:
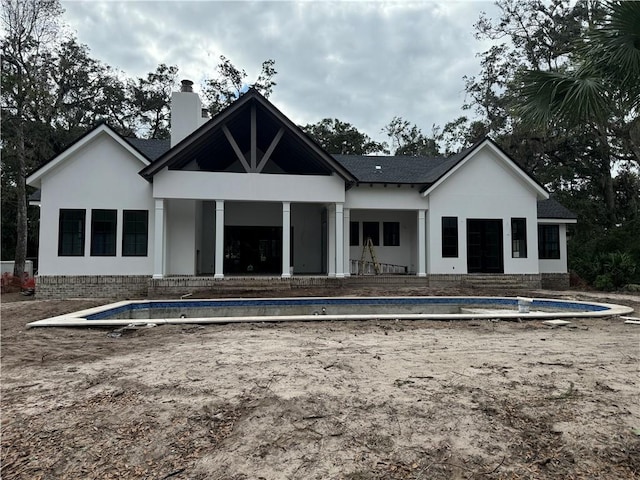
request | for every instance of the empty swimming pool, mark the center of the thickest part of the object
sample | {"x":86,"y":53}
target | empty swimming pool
{"x":142,"y":312}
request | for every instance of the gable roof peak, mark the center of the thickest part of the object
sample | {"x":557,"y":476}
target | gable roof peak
{"x":101,"y":128}
{"x":226,"y":120}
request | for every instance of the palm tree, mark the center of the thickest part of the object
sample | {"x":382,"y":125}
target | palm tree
{"x":599,"y":87}
{"x":605,"y":74}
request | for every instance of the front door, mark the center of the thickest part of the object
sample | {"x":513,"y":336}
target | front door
{"x":484,"y":246}
{"x":253,"y":250}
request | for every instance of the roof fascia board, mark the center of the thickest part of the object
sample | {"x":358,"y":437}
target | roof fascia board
{"x":544,"y":220}
{"x":541,"y":192}
{"x":366,"y":182}
{"x":35,"y":178}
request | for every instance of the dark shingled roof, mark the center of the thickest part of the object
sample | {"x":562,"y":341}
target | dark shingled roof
{"x":551,"y":208}
{"x":393,"y":169}
{"x":399,"y":169}
{"x":150,"y":148}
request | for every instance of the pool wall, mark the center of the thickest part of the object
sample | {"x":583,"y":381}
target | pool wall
{"x":327,"y":308}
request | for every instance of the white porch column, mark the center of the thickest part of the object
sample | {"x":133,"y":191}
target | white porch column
{"x":331,"y":239}
{"x":346,"y":215}
{"x":219,"y":252}
{"x":339,"y":240}
{"x":286,"y":239}
{"x":422,"y":270}
{"x":158,"y":239}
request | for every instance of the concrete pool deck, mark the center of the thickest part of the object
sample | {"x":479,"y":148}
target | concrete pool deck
{"x":476,"y":310}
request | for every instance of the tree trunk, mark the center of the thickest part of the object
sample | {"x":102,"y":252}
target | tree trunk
{"x":606,"y":178}
{"x":21,"y":194}
{"x":634,"y":135}
{"x":609,"y":192}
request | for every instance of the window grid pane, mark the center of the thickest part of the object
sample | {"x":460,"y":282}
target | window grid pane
{"x":371,"y":230}
{"x":71,"y":232}
{"x":391,"y":234}
{"x":135,"y":233}
{"x":103,"y":232}
{"x":519,"y":238}
{"x":449,"y":237}
{"x":354,"y":234}
{"x":549,"y":242}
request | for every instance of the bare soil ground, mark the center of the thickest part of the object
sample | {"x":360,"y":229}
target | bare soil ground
{"x":321,"y":400}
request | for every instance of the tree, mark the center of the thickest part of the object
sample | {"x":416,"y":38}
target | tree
{"x":229,"y":83}
{"x":407,"y":139}
{"x":53,"y":91}
{"x":338,"y":137}
{"x":28,"y":26}
{"x":577,"y":156}
{"x":461,"y":133}
{"x":83,"y":91}
{"x":599,"y":88}
{"x":536,"y":36}
{"x":150,"y":101}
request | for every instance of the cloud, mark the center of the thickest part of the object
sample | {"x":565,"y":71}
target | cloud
{"x":361,"y":62}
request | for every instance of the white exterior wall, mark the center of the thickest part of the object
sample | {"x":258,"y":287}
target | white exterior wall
{"x":102,"y":175}
{"x":556,"y":265}
{"x":484,"y":188}
{"x":370,"y":203}
{"x":181,"y":237}
{"x":405,"y":253}
{"x":248,"y":186}
{"x":306,"y":220}
{"x":186,"y":115}
{"x":384,"y":198}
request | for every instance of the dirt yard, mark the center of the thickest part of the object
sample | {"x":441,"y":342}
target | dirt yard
{"x":322,"y":400}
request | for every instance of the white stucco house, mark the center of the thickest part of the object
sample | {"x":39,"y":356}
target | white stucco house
{"x":248,"y":194}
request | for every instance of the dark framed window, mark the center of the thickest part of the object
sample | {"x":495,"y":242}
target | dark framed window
{"x":549,"y":242}
{"x":103,"y":233}
{"x":135,"y":233}
{"x":354,"y":234}
{"x":71,"y":232}
{"x":391,"y":234}
{"x":371,"y":230}
{"x":519,"y":238}
{"x":450,"y":237}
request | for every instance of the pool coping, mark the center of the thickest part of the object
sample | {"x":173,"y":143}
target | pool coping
{"x":80,"y":318}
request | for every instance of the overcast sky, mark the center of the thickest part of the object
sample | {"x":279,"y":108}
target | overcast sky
{"x":361,"y":62}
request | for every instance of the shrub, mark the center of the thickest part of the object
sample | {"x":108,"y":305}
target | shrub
{"x":604,"y":282}
{"x":619,"y":269}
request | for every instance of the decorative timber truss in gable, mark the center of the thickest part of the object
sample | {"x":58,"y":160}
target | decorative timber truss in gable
{"x":253,"y":166}
{"x":250,"y":136}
